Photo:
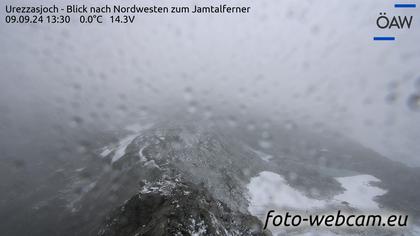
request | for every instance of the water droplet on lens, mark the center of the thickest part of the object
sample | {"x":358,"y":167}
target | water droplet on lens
{"x":77,"y":86}
{"x":264,"y":144}
{"x":290,"y":125}
{"x":293,"y":176}
{"x":232,"y":121}
{"x":19,"y":164}
{"x":413,"y":102}
{"x":192,"y":107}
{"x":250,"y":127}
{"x":391,"y":98}
{"x":76,"y":121}
{"x":188,"y":94}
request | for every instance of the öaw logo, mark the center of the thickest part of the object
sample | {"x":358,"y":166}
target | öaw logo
{"x":385,"y":21}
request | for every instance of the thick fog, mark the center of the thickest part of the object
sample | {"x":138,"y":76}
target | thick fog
{"x":310,"y":63}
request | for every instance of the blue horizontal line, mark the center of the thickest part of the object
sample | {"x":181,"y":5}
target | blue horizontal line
{"x":383,"y":38}
{"x":405,"y":5}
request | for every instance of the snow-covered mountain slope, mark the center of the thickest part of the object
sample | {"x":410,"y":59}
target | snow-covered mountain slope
{"x":234,"y":171}
{"x":233,"y":168}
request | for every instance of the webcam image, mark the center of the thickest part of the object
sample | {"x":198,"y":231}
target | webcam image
{"x":208,"y":118}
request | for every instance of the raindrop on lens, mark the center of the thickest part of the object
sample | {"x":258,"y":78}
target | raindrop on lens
{"x":413,"y":102}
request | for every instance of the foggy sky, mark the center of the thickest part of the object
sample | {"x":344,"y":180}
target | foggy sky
{"x":310,"y":61}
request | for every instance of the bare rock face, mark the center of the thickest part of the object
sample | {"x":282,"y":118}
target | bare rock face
{"x":175,"y":207}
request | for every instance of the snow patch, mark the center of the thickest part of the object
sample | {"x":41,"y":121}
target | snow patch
{"x":359,"y":192}
{"x":142,"y":157}
{"x":264,"y":156}
{"x":106,"y":151}
{"x":269,"y":190}
{"x":122,"y":146}
{"x":164,"y":187}
{"x":198,"y":228}
{"x":119,"y":150}
{"x":151,"y":164}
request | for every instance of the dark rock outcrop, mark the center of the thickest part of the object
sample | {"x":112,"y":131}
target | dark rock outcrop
{"x":175,"y":207}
